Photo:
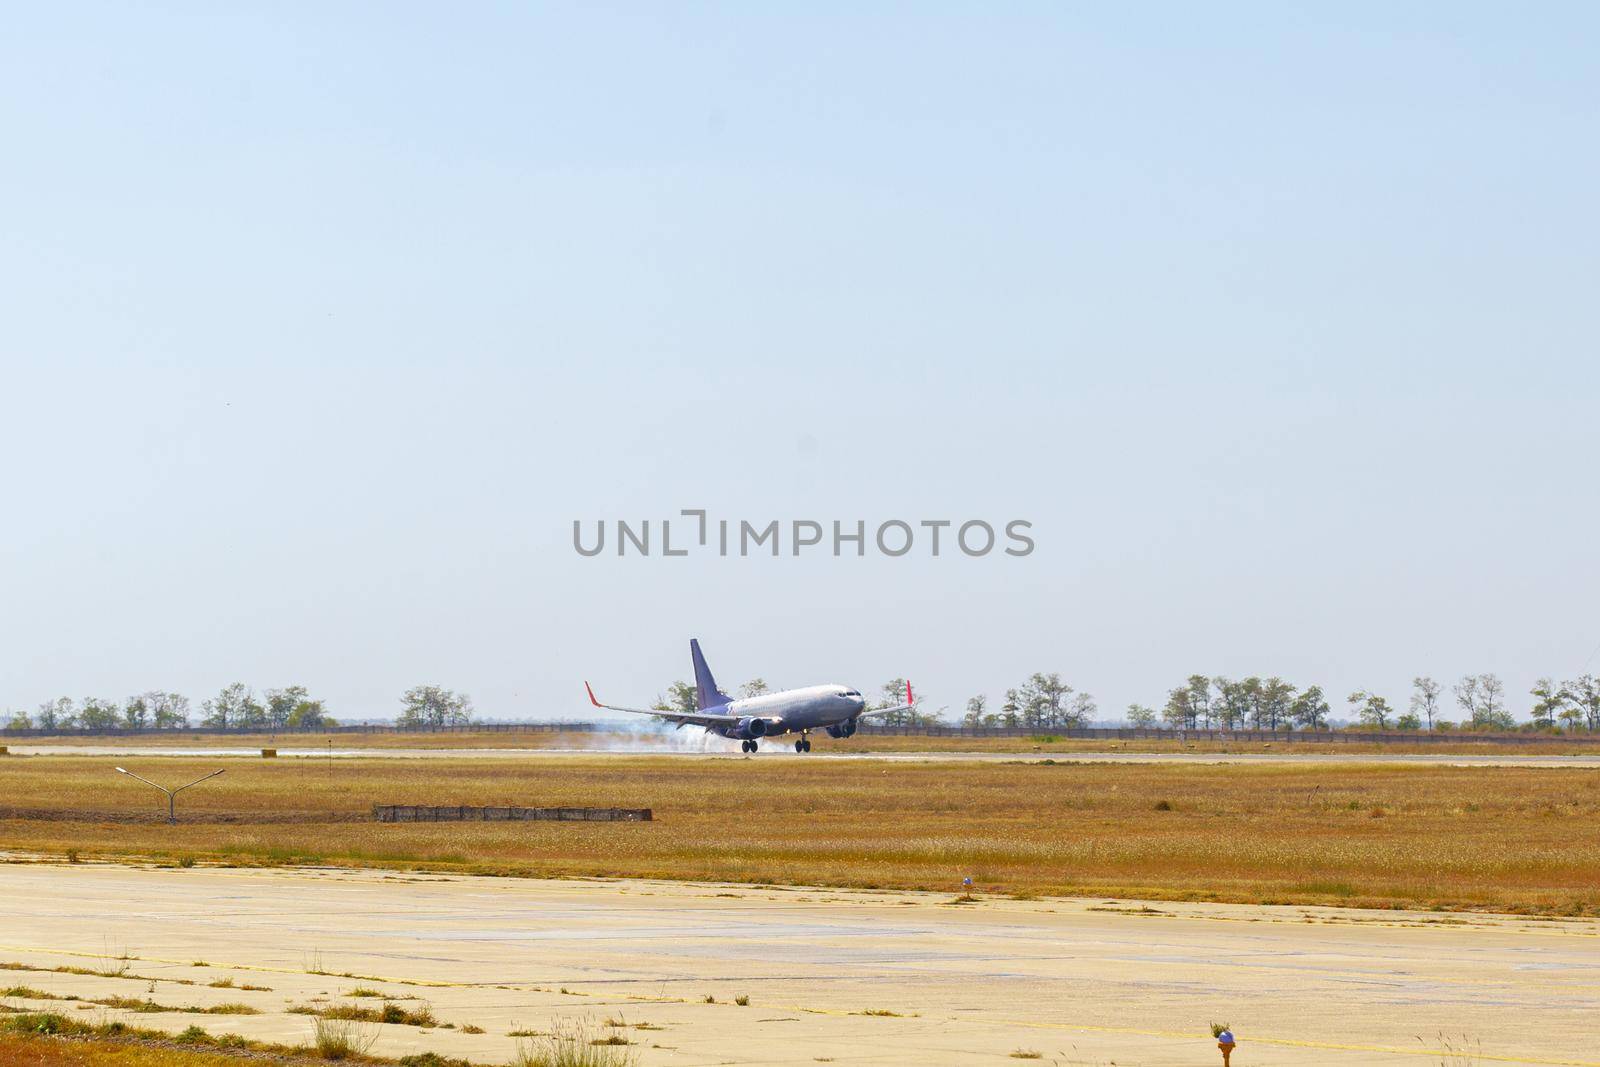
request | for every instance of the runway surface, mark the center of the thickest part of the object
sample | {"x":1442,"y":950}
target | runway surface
{"x":887,"y":978}
{"x":783,"y":752}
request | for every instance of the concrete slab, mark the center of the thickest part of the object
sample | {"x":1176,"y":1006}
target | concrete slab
{"x":831,"y":975}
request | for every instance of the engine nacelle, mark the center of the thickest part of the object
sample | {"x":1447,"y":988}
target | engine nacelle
{"x":750,"y":728}
{"x":843,"y":729}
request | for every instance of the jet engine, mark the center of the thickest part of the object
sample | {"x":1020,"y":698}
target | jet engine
{"x":749,"y":729}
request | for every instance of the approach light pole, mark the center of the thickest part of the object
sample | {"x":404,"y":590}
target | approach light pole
{"x":172,"y":794}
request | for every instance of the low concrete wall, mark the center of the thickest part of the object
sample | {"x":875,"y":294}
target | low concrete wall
{"x":466,"y":813}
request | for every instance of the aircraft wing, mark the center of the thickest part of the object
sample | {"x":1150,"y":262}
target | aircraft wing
{"x":909,"y":705}
{"x":884,"y":711}
{"x":681,"y":718}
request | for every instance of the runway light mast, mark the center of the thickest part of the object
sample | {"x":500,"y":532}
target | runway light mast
{"x":172,"y":794}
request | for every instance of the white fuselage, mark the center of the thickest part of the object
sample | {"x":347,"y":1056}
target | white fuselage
{"x":814,"y":707}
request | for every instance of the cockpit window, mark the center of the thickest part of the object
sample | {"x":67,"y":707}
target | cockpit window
{"x":851,"y":693}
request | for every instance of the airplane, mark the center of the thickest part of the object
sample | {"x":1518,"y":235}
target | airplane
{"x":834,"y":709}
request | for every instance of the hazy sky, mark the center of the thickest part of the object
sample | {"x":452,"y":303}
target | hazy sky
{"x":322,"y":323}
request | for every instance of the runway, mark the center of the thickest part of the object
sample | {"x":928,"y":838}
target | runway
{"x":851,"y":977}
{"x":779,"y":751}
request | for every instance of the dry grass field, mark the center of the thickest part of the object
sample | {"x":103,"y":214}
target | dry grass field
{"x":646,"y":739}
{"x":1504,"y":838}
{"x":55,"y":1052}
{"x":22,"y":1051}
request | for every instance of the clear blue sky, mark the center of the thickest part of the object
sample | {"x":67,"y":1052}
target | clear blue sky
{"x":322,"y":322}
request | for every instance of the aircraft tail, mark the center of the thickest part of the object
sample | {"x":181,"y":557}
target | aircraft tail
{"x":707,"y":695}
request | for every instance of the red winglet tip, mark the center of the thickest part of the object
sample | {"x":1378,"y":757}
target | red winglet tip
{"x":908,"y":692}
{"x":592,"y":700}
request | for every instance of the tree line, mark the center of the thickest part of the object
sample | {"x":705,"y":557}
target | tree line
{"x":1043,"y":701}
{"x":1272,"y":704}
{"x":1205,"y":702}
{"x":235,"y":707}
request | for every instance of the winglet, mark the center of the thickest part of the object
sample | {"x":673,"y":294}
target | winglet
{"x":592,"y":700}
{"x":908,"y":692}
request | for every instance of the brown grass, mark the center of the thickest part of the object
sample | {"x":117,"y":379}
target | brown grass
{"x":1508,"y":838}
{"x":57,"y":1052}
{"x":389,"y":1013}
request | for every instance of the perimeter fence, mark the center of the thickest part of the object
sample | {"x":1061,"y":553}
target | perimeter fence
{"x":867,"y":729}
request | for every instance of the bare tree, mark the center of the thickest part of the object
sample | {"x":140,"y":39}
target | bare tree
{"x":1494,"y":703}
{"x":1425,"y":698}
{"x":1483,"y":698}
{"x":753,"y":688}
{"x":1466,"y":693}
{"x":977,"y":712}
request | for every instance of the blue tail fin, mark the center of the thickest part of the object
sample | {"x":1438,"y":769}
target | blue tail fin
{"x":707,"y":695}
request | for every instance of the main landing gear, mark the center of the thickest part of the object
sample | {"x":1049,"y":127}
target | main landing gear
{"x":749,"y":746}
{"x":803,"y":745}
